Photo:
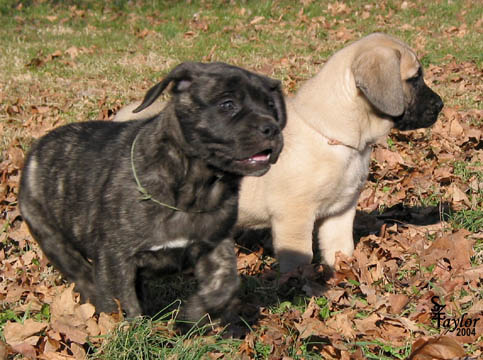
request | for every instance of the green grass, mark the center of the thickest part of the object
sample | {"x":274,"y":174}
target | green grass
{"x":470,"y":219}
{"x":10,"y":315}
{"x":382,"y":351}
{"x":145,"y":338}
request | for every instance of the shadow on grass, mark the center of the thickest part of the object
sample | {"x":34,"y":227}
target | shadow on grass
{"x":371,"y":223}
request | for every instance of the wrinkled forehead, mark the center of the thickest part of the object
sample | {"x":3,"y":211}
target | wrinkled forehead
{"x":410,"y":65}
{"x":235,"y":82}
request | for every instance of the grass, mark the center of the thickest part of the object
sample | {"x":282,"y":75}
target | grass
{"x":470,"y":219}
{"x":382,"y":351}
{"x":145,"y":338}
{"x":125,"y":60}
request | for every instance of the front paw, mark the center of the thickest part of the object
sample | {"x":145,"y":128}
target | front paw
{"x":196,"y":314}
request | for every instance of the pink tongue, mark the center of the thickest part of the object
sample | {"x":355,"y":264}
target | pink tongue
{"x":260,"y":157}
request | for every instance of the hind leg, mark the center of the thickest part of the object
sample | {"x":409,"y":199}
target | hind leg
{"x":64,"y":257}
{"x":60,"y":251}
{"x":115,"y":278}
{"x":109,"y":276}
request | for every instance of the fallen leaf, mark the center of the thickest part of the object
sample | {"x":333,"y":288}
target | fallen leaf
{"x":106,"y":324}
{"x":368,"y":324}
{"x":387,"y":156}
{"x":457,"y":248}
{"x":312,"y":327}
{"x":455,"y":129}
{"x":26,"y":350}
{"x":458,"y":195}
{"x":338,"y":7}
{"x":16,"y":157}
{"x":438,"y":348}
{"x":397,"y":302}
{"x":3,"y":350}
{"x":85,"y":311}
{"x":257,"y":19}
{"x":72,"y":333}
{"x":78,"y":351}
{"x":73,"y":52}
{"x":54,"y":356}
{"x":52,"y":344}
{"x":64,"y":304}
{"x":16,"y":333}
{"x":342,"y":324}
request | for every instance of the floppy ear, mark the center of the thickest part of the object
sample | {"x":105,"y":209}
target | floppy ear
{"x":377,"y":74}
{"x":182,"y":75}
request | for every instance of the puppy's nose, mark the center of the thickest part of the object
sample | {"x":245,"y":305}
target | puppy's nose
{"x":269,"y":130}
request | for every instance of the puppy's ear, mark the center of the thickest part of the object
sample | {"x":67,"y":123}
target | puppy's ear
{"x":377,"y":74}
{"x":181,"y":75}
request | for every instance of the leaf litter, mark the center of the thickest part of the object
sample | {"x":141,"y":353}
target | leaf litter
{"x":380,"y":299}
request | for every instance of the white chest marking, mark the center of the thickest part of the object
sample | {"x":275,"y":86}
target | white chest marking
{"x":173,"y":244}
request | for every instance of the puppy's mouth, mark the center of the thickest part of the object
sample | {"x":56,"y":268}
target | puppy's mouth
{"x":257,"y":164}
{"x":260,"y":158}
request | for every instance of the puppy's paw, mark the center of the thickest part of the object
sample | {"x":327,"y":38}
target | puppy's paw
{"x":195,"y":314}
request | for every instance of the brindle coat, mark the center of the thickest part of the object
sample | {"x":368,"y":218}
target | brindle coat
{"x":82,"y":203}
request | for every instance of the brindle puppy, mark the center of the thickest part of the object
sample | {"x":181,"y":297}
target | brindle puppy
{"x":100,"y":197}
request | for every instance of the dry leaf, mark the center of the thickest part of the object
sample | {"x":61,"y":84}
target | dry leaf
{"x":368,"y":324}
{"x":390,"y":157}
{"x":257,"y":19}
{"x":52,"y":345}
{"x":455,"y":129}
{"x":16,"y":333}
{"x":106,"y":323}
{"x":26,"y":350}
{"x":342,"y":324}
{"x":3,"y":350}
{"x":54,"y":356}
{"x":64,"y":304}
{"x":73,"y":52}
{"x":397,"y":302}
{"x":438,"y":348}
{"x":78,"y":351}
{"x":456,"y":248}
{"x":457,"y":195}
{"x":85,"y":311}
{"x":72,"y":333}
{"x":312,"y":327}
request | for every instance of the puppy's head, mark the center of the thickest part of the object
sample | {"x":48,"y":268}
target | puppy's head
{"x":230,"y":117}
{"x":390,"y":76}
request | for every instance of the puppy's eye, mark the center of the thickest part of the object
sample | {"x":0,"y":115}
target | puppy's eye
{"x":271,"y":104}
{"x":227,"y":105}
{"x":413,"y":80}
